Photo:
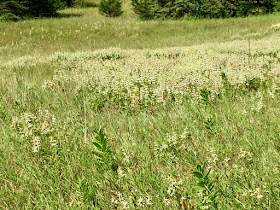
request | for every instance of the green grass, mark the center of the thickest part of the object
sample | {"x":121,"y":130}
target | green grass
{"x":91,"y":31}
{"x":165,"y":112}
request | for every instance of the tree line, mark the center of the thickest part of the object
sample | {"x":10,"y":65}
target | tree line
{"x":145,"y":9}
{"x":152,"y":9}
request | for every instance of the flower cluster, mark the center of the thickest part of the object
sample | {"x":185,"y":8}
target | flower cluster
{"x":39,"y":129}
{"x":171,"y":146}
{"x":147,"y":77}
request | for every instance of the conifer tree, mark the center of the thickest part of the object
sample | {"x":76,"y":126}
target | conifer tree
{"x":110,"y":8}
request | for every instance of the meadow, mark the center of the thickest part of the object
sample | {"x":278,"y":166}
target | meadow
{"x":119,"y":113}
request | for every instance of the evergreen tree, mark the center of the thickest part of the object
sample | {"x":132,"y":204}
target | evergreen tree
{"x":110,"y":8}
{"x":41,"y":8}
{"x":15,"y":7}
{"x":31,"y":8}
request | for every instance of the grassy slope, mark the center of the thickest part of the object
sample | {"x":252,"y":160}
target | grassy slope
{"x":92,"y":31}
{"x":156,"y":142}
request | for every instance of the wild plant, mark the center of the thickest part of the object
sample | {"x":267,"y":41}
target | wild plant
{"x":102,"y":151}
{"x":205,"y":95}
{"x":3,"y":114}
{"x":206,"y":187}
{"x":210,"y":123}
{"x":253,"y":84}
{"x":85,"y":193}
{"x":40,"y":130}
{"x":226,"y":84}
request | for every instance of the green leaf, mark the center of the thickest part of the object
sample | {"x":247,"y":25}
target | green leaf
{"x":99,"y":147}
{"x":199,"y":167}
{"x":201,"y":184}
{"x":198,"y":175}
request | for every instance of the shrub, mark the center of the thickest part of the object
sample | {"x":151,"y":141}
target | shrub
{"x":68,"y":3}
{"x":9,"y":8}
{"x":9,"y":17}
{"x":277,"y":7}
{"x":110,"y":8}
{"x":17,"y":9}
{"x":146,"y":9}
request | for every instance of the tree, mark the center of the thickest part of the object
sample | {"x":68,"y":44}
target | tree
{"x":13,"y":7}
{"x":110,"y":8}
{"x":30,"y":8}
{"x":41,"y":8}
{"x":146,"y":9}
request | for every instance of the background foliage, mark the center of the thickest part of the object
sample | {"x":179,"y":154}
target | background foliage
{"x":145,"y":9}
{"x":150,"y":9}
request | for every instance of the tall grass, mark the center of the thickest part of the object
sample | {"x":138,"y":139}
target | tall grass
{"x":182,"y":128}
{"x":88,"y":30}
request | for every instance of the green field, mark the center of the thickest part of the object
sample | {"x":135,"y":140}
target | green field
{"x":119,"y":113}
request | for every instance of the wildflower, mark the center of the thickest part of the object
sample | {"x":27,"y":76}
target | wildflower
{"x":36,"y":144}
{"x":167,"y":202}
{"x":140,"y":202}
{"x":200,"y":194}
{"x":244,"y":112}
{"x":53,"y":141}
{"x":213,"y":159}
{"x":120,"y":172}
{"x":259,"y":196}
{"x":148,"y":201}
